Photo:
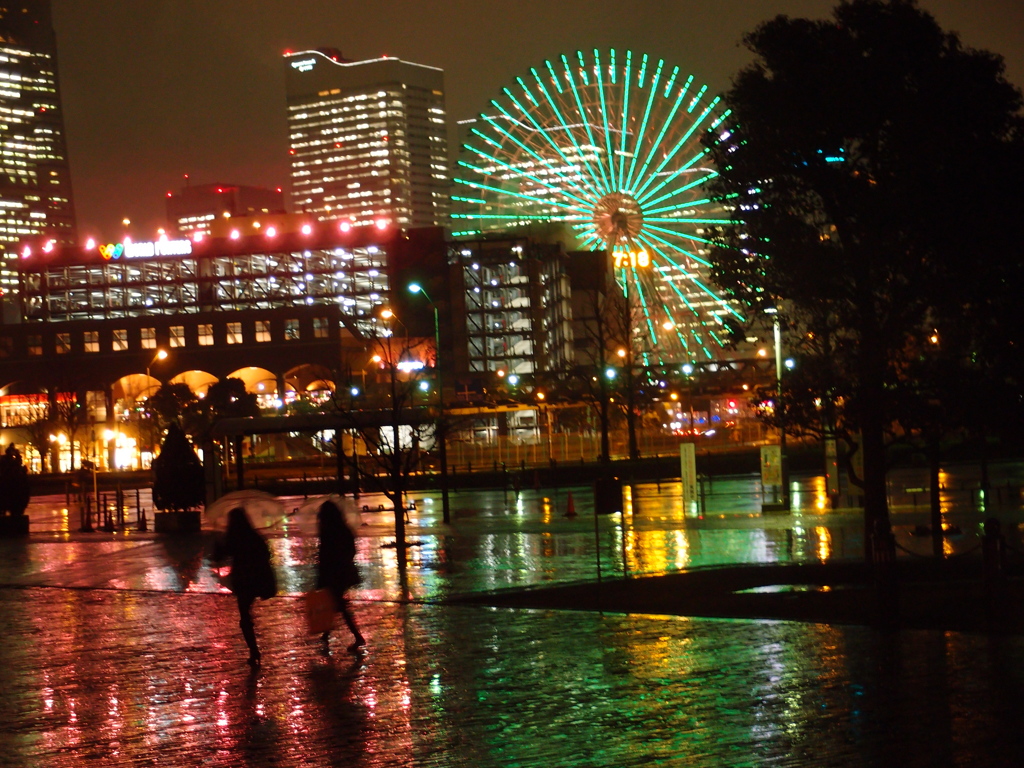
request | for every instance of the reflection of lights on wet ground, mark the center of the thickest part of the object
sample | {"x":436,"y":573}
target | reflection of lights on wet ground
{"x":945,"y":499}
{"x":819,"y":494}
{"x":824,"y":550}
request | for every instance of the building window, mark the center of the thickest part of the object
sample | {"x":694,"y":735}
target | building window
{"x":35,"y":345}
{"x":92,"y":341}
{"x":177,"y":337}
{"x":63,"y":343}
{"x":319,"y":327}
{"x":262,"y":330}
{"x":234,"y":333}
{"x":149,"y":338}
{"x":205,"y":335}
{"x":120,"y":340}
{"x":291,"y":330}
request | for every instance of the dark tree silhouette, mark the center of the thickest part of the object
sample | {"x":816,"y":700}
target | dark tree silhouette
{"x":171,"y":404}
{"x":178,"y":481}
{"x":872,"y":154}
{"x":15,"y":489}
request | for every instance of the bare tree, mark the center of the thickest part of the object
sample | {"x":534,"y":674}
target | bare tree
{"x":389,"y":415}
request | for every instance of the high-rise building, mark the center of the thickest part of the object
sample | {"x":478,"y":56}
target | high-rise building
{"x":35,"y":183}
{"x":193,"y":210}
{"x":368,"y":139}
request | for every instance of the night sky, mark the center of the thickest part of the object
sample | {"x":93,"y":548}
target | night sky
{"x":155,"y":89}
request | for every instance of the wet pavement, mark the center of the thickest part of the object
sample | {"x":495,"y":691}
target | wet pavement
{"x":123,"y":649}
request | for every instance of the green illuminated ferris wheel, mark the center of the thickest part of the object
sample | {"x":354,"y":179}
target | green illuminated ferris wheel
{"x":611,"y":145}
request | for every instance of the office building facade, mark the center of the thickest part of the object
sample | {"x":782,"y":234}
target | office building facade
{"x":35,"y":182}
{"x":367,"y":140}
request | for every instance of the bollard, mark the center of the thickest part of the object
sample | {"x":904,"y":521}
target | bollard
{"x":993,"y":548}
{"x":86,"y":516}
{"x":142,"y":519}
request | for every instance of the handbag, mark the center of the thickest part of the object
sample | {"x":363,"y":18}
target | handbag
{"x":320,"y":611}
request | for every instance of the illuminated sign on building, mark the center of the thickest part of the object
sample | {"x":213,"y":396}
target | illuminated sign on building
{"x":145,"y":250}
{"x":304,"y":65}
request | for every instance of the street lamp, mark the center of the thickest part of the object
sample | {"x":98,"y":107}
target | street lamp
{"x":440,"y":430}
{"x":777,"y":329}
{"x":546,"y":420}
{"x":161,"y":354}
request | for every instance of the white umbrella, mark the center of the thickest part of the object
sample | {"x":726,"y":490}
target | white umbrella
{"x":304,"y":516}
{"x":262,"y":508}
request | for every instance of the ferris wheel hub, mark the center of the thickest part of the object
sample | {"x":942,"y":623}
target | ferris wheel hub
{"x":618,"y":218}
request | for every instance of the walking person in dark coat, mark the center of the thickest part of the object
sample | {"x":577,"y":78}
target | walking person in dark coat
{"x":252,"y":575}
{"x":336,"y":568}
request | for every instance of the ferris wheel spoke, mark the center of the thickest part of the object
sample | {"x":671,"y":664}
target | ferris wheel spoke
{"x":671,"y":155}
{"x":674,"y":246}
{"x":652,"y":93}
{"x":685,"y":220}
{"x":500,"y":191}
{"x":667,"y":123}
{"x":682,"y":236}
{"x":680,"y":190}
{"x":529,"y":116}
{"x":593,"y":187}
{"x":584,"y":118}
{"x":642,"y":133}
{"x":689,"y":275}
{"x":541,"y":160}
{"x":625,"y":114}
{"x":643,"y":306}
{"x":671,"y":176}
{"x":537,"y":180}
{"x":604,"y":116}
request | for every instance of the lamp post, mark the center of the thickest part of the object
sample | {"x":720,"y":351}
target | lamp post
{"x":777,"y":330}
{"x":546,"y":420}
{"x":440,"y":430}
{"x":161,"y":354}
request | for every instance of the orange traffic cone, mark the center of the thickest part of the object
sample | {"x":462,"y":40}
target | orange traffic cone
{"x":570,"y":507}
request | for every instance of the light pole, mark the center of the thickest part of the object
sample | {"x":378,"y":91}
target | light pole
{"x":161,"y":354}
{"x":546,"y":420}
{"x":777,"y":329}
{"x":441,"y":429}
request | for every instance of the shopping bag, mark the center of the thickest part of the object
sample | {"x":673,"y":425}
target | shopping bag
{"x":320,"y":610}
